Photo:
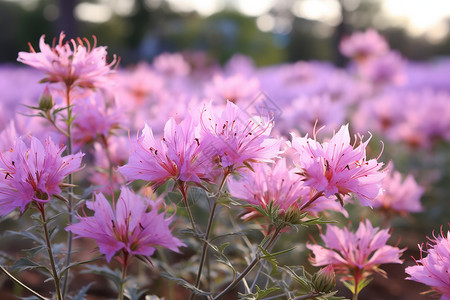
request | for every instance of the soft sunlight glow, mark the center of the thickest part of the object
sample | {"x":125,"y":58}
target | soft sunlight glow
{"x":254,"y":7}
{"x":421,"y":17}
{"x":327,"y":11}
{"x":94,"y":13}
{"x":203,"y":7}
{"x":265,"y":23}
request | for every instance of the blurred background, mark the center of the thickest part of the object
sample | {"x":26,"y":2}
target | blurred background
{"x":269,"y":31}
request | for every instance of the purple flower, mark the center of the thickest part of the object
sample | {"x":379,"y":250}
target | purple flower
{"x":176,"y":156}
{"x":434,"y":269}
{"x":33,"y":173}
{"x":127,"y":226}
{"x":337,"y":168}
{"x":355,"y":255}
{"x":235,"y":139}
{"x":362,"y":45}
{"x":74,"y":64}
{"x":399,"y":195}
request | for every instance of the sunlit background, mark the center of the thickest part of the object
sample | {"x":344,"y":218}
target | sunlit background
{"x":270,"y":31}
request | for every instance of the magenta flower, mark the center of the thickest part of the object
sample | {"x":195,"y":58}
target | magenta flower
{"x":399,"y":195}
{"x":74,"y":64}
{"x":178,"y":155}
{"x":127,"y":226}
{"x":33,"y":173}
{"x":355,"y":255}
{"x":434,"y":269}
{"x":234,"y":139}
{"x":361,"y":45}
{"x":337,"y":168}
{"x":236,"y":88}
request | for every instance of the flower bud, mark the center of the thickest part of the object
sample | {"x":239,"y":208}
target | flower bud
{"x":46,"y":101}
{"x":324,"y":280}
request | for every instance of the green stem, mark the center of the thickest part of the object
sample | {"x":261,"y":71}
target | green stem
{"x":208,"y":231}
{"x":310,"y":201}
{"x":184,"y":193}
{"x":69,"y":198}
{"x":22,"y":284}
{"x":247,"y":270}
{"x":50,"y":253}
{"x":124,"y":275}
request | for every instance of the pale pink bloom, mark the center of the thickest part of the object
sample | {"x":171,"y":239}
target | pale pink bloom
{"x":385,"y":69}
{"x":75,"y":64}
{"x":178,"y":155}
{"x":308,"y":112}
{"x":128,"y":226}
{"x":33,"y":173}
{"x":399,"y":195}
{"x":358,"y":253}
{"x":361,"y":45}
{"x":434,"y":269}
{"x":336,"y":167}
{"x":235,"y":88}
{"x":95,"y":118}
{"x":234,"y":138}
{"x":116,"y":151}
{"x":171,"y":65}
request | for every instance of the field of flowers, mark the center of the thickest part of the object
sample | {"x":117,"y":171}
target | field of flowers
{"x":185,"y":179}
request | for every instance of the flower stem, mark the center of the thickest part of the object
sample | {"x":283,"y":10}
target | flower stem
{"x":69,"y":198}
{"x":208,"y":232}
{"x":184,"y":192}
{"x":310,"y":201}
{"x":50,"y":252}
{"x":250,"y":267}
{"x":124,"y":275}
{"x":22,"y":284}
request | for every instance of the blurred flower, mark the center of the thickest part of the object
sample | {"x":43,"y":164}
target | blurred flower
{"x":398,"y":195}
{"x":176,"y":156}
{"x":33,"y":173}
{"x":337,"y":168}
{"x":235,"y":139}
{"x":95,"y":117}
{"x":355,"y":255}
{"x":433,"y":270}
{"x":362,"y":45}
{"x":127,"y":226}
{"x":72,"y":64}
{"x":236,"y":88}
{"x":171,"y":65}
{"x":385,"y":69}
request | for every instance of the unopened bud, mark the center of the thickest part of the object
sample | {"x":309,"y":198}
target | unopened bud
{"x":324,"y":280}
{"x":46,"y":102}
{"x":293,"y":215}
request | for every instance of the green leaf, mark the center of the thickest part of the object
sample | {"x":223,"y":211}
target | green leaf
{"x":114,"y":275}
{"x":74,"y":264}
{"x":303,"y":280}
{"x":134,"y":294}
{"x":83,"y":292}
{"x":187,"y":285}
{"x":27,"y":264}
{"x":259,"y":293}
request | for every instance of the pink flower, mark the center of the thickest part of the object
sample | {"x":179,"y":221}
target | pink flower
{"x":361,"y":45}
{"x":73,"y":64}
{"x":33,"y":173}
{"x":171,"y":65}
{"x":355,"y":254}
{"x":178,"y":155}
{"x":94,"y":118}
{"x":434,"y":269}
{"x":236,"y":88}
{"x":279,"y":185}
{"x":127,"y":226}
{"x":399,"y":195}
{"x":235,"y":138}
{"x":268,"y":184}
{"x":337,"y":168}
